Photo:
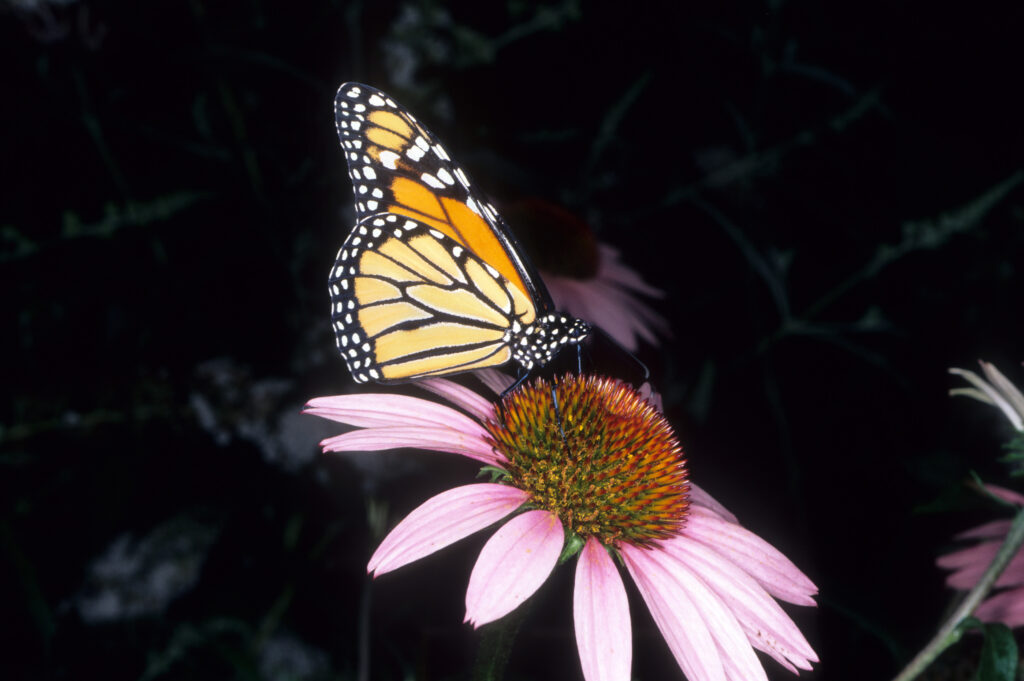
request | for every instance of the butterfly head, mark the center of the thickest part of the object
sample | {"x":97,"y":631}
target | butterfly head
{"x":537,"y":344}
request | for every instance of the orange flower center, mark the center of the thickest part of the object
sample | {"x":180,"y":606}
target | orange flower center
{"x":592,"y":451}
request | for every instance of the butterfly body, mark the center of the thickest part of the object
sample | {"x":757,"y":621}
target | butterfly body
{"x":430,"y":281}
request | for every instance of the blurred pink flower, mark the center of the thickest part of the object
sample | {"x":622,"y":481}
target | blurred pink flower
{"x":610,"y":300}
{"x":969,"y":564}
{"x":584,"y":276}
{"x":616,"y":482}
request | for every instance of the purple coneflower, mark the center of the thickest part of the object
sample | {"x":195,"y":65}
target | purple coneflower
{"x":969,"y":564}
{"x":609,"y":479}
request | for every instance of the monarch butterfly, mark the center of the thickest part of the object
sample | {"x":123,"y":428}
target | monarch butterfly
{"x":431,"y":280}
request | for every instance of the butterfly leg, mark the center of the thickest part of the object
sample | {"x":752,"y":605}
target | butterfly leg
{"x":523,"y":375}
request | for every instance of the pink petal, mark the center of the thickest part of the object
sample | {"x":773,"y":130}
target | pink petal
{"x":374,"y":410}
{"x":613,"y":270}
{"x":972,"y":556}
{"x":702,"y":498}
{"x":1006,"y":607}
{"x":737,"y":655}
{"x":601,"y":614}
{"x":436,"y":439}
{"x":991,"y":530}
{"x":496,"y":381}
{"x":1007,"y":495}
{"x":608,"y":301}
{"x":443,"y":520}
{"x":969,"y":565}
{"x":677,"y":617}
{"x":1013,"y":575}
{"x":754,"y":555}
{"x":767,"y":626}
{"x":512,"y":565}
{"x":460,"y":396}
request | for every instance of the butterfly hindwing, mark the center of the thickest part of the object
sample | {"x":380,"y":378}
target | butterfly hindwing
{"x":408,"y":302}
{"x":398,"y":166}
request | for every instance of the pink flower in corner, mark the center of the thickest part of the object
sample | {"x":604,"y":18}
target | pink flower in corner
{"x":610,"y":480}
{"x":967,"y":566}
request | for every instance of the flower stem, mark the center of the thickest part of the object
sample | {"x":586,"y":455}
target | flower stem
{"x":950,"y":632}
{"x":496,"y":645}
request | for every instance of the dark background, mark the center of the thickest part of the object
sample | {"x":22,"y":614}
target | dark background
{"x":830,"y":195}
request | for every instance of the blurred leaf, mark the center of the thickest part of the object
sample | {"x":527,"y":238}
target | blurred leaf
{"x":188,"y":637}
{"x":14,"y":244}
{"x":998,"y":654}
{"x":1015,"y":454}
{"x":573,"y":545}
{"x":930,"y":234}
{"x":131,"y":214}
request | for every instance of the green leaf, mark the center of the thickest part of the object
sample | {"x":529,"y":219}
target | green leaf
{"x":998,"y":655}
{"x":573,"y":545}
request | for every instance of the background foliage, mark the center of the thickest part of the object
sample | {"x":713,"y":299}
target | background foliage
{"x":828,"y":193}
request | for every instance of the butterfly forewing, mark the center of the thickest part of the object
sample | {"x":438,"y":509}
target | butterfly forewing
{"x":398,"y":166}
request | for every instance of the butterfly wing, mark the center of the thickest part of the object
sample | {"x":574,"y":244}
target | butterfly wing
{"x":408,"y":301}
{"x":398,"y":166}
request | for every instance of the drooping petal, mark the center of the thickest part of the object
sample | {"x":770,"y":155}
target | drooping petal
{"x":762,"y":561}
{"x":972,"y":558}
{"x":1009,"y":390}
{"x":443,"y":520}
{"x":969,"y":565}
{"x":677,"y":617}
{"x":460,"y":396}
{"x":767,"y":626}
{"x":613,"y":269}
{"x":376,"y":410}
{"x":990,"y":530}
{"x":494,"y":380}
{"x":1006,"y":607}
{"x":512,"y":565}
{"x":609,"y":300}
{"x":438,"y":439}
{"x":737,"y":655}
{"x":989,"y":394}
{"x":701,"y":498}
{"x":1007,"y":495}
{"x":601,"y":616}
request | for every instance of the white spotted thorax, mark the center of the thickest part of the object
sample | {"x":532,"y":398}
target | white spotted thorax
{"x":537,"y":344}
{"x":430,"y":281}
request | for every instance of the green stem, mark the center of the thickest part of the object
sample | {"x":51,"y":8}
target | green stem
{"x":950,"y":632}
{"x":496,"y":645}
